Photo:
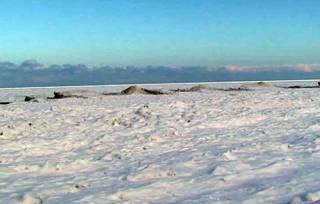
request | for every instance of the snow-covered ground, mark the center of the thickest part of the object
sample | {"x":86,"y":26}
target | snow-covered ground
{"x":258,"y":146}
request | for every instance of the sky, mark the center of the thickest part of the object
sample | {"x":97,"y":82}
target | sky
{"x":161,"y":32}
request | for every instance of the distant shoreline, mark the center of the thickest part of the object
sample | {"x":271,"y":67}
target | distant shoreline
{"x":160,"y":84}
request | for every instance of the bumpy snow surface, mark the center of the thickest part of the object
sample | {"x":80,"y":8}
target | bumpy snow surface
{"x":259,"y":146}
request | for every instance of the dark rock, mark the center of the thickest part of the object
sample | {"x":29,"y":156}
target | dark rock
{"x":67,"y":94}
{"x":29,"y":98}
{"x":58,"y":95}
{"x":301,"y":87}
{"x":5,"y":102}
{"x":294,"y":87}
{"x":236,"y":89}
{"x":180,"y":90}
{"x":261,"y":83}
{"x":110,"y":94}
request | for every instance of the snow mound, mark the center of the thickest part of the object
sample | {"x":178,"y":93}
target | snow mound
{"x":139,"y":90}
{"x":199,"y":88}
{"x":258,"y":85}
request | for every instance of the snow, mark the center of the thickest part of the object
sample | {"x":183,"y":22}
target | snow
{"x":258,"y":146}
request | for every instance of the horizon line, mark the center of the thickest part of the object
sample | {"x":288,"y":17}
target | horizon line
{"x":162,"y":84}
{"x":249,"y":65}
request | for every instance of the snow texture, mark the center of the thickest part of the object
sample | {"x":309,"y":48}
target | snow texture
{"x":212,"y":146}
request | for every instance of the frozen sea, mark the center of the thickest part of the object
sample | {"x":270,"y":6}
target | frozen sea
{"x":261,"y":145}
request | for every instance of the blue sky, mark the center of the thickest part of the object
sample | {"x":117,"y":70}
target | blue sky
{"x":161,"y":32}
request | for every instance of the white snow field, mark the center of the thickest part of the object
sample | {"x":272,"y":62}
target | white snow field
{"x":256,"y":146}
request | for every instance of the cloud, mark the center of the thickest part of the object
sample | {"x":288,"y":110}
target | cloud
{"x":33,"y":73}
{"x":274,"y":68}
{"x":308,"y":67}
{"x":31,"y":64}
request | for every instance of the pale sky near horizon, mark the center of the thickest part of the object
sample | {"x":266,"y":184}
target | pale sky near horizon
{"x":161,"y":32}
